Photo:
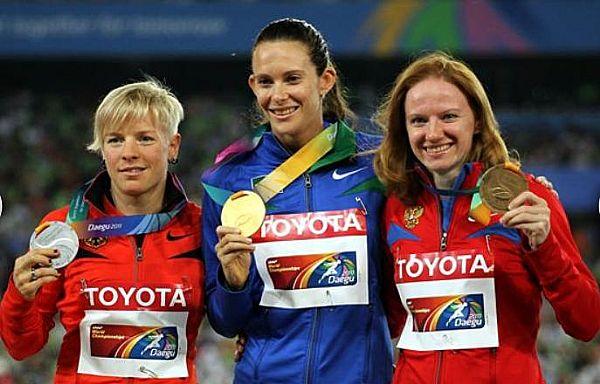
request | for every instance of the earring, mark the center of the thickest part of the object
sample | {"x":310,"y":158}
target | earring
{"x":173,"y":161}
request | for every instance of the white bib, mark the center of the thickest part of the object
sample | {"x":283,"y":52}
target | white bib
{"x":313,"y":259}
{"x":450,"y":300}
{"x":144,"y":344}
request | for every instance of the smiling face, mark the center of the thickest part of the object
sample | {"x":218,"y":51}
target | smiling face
{"x":289,"y":90}
{"x":136,"y":157}
{"x":440,"y":125}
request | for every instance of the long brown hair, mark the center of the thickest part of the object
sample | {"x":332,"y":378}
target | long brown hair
{"x":395,"y":160}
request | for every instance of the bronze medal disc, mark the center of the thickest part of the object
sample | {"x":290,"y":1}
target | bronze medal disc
{"x":244,"y":210}
{"x":499,"y":185}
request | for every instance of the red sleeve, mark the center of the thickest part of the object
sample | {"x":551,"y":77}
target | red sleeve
{"x":566,"y":281}
{"x":396,"y":315}
{"x":25,"y":325}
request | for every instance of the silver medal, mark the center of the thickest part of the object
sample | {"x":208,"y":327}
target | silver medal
{"x":58,"y":235}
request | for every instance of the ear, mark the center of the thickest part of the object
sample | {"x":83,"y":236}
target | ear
{"x":174,"y":146}
{"x":327,"y":80}
{"x":252,"y":83}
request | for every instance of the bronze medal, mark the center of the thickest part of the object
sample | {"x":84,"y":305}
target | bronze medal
{"x":244,"y":210}
{"x":500,"y":185}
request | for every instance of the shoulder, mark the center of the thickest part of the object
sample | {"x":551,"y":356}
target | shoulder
{"x":544,"y":192}
{"x":56,"y":215}
{"x":367,"y":141}
{"x":191,"y":214}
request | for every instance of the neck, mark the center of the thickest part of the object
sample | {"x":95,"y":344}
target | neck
{"x":293,"y":142}
{"x":150,"y":202}
{"x":445,"y":181}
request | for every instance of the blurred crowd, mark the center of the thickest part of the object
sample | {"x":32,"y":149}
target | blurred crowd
{"x":43,"y":160}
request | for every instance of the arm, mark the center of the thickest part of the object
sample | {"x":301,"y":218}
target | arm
{"x":395,"y":313}
{"x":566,"y":281}
{"x":229,"y":310}
{"x":29,"y":304}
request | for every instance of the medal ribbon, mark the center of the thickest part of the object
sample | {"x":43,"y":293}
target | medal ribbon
{"x":296,"y":165}
{"x":110,"y":226}
{"x":479,"y":211}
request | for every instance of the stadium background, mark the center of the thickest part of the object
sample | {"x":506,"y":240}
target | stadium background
{"x":539,"y":61}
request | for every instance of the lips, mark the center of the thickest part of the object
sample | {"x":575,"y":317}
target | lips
{"x":283,"y":112}
{"x":132,"y":170}
{"x":437,"y":149}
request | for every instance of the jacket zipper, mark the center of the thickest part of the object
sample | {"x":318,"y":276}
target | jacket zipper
{"x":315,"y":320}
{"x":438,"y":367}
{"x":494,"y":351}
{"x":443,"y":246}
{"x":311,"y":343}
{"x":139,"y":256}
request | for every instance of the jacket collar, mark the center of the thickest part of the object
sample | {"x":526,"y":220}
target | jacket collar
{"x":466,"y":179}
{"x":343,"y":147}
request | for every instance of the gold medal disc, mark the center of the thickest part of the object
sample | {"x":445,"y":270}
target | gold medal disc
{"x":499,"y":185}
{"x":244,"y":210}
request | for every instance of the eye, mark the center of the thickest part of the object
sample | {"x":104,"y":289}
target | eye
{"x":263,"y":81}
{"x":294,"y":79}
{"x":450,"y":116}
{"x":113,"y":140}
{"x":417,"y":121}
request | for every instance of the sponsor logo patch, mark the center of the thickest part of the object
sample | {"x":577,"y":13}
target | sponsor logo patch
{"x":339,"y":176}
{"x":313,"y":271}
{"x":443,"y":266}
{"x":125,"y":297}
{"x":133,"y":342}
{"x":175,"y":237}
{"x":312,"y":225}
{"x":445,"y":313}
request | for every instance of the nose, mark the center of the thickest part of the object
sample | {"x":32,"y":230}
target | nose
{"x":280,"y":92}
{"x":130,"y":149}
{"x":434,"y":131}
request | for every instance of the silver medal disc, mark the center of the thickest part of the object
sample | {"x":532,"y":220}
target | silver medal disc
{"x":59,"y":235}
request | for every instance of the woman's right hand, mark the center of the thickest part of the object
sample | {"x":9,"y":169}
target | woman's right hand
{"x":34,"y":270}
{"x":233,"y":251}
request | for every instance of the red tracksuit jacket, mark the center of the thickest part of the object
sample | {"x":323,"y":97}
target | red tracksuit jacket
{"x":451,"y":243}
{"x":145,"y":290}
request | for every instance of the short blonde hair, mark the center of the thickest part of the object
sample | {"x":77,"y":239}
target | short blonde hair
{"x":394,"y":160}
{"x":135,"y":101}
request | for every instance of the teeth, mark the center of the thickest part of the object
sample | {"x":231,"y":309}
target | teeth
{"x":283,"y":112}
{"x":438,"y":149}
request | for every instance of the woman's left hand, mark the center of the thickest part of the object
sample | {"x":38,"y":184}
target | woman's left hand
{"x":529,"y":213}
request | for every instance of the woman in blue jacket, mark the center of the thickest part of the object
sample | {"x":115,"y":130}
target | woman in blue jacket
{"x":306,"y":287}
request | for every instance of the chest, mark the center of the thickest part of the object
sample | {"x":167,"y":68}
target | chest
{"x":163,"y":272}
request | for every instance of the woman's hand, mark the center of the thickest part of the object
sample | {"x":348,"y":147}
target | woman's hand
{"x":240,"y":347}
{"x":529,"y":213}
{"x":233,"y":251}
{"x":33,"y":270}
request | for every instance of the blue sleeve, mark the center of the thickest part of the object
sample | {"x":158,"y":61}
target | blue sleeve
{"x":228,"y":311}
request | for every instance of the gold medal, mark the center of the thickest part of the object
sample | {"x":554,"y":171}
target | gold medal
{"x":499,"y":185}
{"x":244,"y":210}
